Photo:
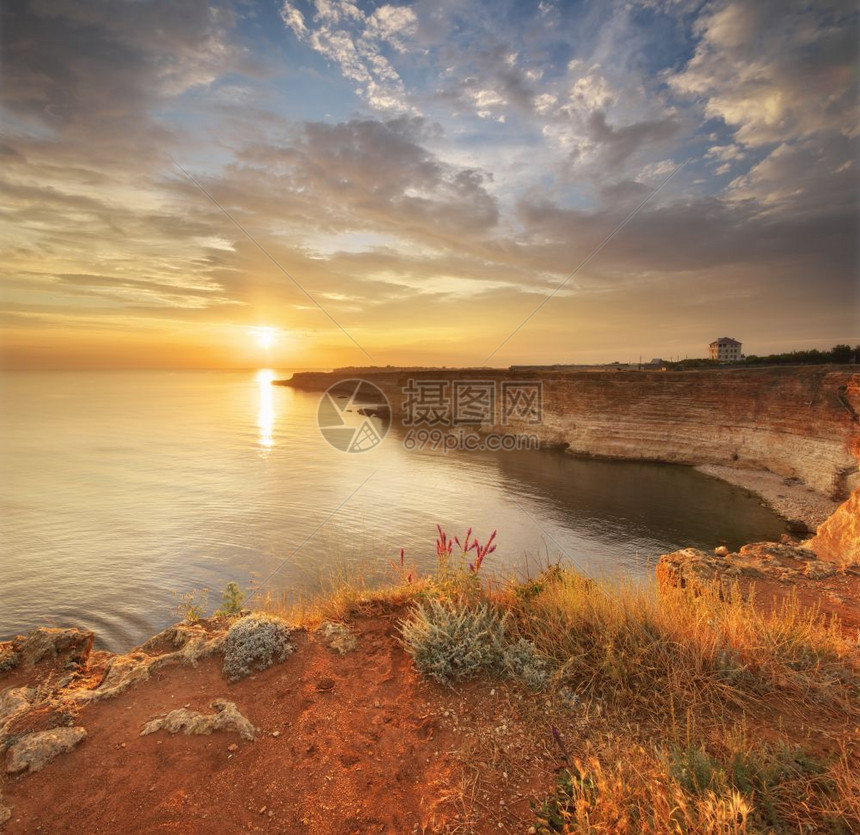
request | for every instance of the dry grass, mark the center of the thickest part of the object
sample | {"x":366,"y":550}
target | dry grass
{"x":637,"y":646}
{"x":678,"y":713}
{"x":624,"y":787}
{"x":344,"y":593}
{"x":678,"y":681}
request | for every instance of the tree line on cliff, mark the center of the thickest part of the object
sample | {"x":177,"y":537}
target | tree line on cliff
{"x":839,"y":354}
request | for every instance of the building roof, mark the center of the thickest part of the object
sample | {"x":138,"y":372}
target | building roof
{"x":725,"y":340}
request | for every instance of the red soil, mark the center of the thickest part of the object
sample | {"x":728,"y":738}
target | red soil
{"x":347,"y":744}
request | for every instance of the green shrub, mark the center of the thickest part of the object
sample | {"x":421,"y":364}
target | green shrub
{"x":254,"y":643}
{"x":449,"y":639}
{"x":231,"y":600}
{"x":521,"y":660}
{"x":9,"y":659}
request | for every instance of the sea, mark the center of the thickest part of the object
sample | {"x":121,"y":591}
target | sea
{"x":124,"y":492}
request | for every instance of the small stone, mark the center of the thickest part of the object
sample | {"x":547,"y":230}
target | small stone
{"x":232,"y":747}
{"x":819,"y":570}
{"x":276,"y":733}
{"x":721,"y":551}
{"x":337,"y":637}
{"x":325,"y":684}
{"x":226,"y":717}
{"x":34,"y":751}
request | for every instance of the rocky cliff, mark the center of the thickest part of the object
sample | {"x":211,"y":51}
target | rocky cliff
{"x":838,"y":539}
{"x":796,"y":422}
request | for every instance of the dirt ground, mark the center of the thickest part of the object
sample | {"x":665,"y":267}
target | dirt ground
{"x":346,"y":744}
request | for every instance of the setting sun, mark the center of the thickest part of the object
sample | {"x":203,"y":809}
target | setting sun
{"x":266,"y":337}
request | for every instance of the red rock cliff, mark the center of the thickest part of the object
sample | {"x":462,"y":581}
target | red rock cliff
{"x":796,"y":422}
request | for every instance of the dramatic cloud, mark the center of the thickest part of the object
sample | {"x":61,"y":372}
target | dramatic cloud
{"x":428,"y":172}
{"x":357,"y":42}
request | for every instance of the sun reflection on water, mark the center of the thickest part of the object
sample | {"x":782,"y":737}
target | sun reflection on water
{"x":266,"y":408}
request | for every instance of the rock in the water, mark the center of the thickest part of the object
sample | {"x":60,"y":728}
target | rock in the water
{"x":34,"y":751}
{"x":226,"y":718}
{"x":337,"y":636}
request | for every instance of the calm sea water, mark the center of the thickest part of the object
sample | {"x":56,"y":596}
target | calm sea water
{"x":121,"y":489}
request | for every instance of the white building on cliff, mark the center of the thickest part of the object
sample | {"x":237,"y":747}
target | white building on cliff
{"x":725,"y":349}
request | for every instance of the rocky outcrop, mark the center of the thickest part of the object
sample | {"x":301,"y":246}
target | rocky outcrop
{"x":66,"y":645}
{"x":770,"y":562}
{"x":838,"y":539}
{"x":34,"y":751}
{"x":14,"y":701}
{"x":699,"y":571}
{"x":186,"y":644}
{"x":225,"y":718}
{"x":62,"y":675}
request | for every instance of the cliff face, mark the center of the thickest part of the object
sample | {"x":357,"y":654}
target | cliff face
{"x":796,"y":422}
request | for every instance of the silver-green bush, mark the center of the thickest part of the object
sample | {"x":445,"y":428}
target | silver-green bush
{"x":522,"y":660}
{"x":450,"y":640}
{"x":254,"y":643}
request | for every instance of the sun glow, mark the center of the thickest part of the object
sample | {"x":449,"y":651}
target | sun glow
{"x":266,"y":337}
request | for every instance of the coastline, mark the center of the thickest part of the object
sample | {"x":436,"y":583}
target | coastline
{"x":791,"y":499}
{"x":347,"y":724}
{"x":797,"y":423}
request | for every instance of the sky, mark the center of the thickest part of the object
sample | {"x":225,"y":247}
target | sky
{"x":429,"y":183}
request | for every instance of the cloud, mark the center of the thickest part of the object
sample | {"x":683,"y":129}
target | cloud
{"x":97,"y":70}
{"x":775,"y":70}
{"x":541,"y":130}
{"x":357,"y":42}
